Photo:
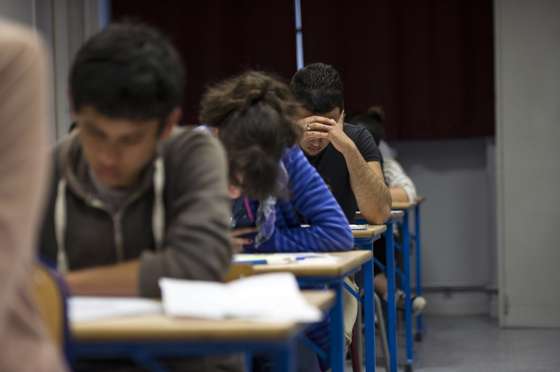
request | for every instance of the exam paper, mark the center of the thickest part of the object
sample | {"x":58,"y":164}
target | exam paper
{"x":268,"y":298}
{"x":82,"y":309}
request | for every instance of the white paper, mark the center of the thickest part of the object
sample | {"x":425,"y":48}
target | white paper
{"x":283,"y":258}
{"x":358,"y":227}
{"x":82,"y":309}
{"x":270,"y":298}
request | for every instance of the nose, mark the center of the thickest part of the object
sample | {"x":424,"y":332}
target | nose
{"x":108,"y":156}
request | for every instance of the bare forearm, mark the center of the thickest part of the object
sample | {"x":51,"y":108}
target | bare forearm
{"x":372,"y":195}
{"x":114,"y":280}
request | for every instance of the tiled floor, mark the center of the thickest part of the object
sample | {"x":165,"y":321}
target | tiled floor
{"x":477,"y":344}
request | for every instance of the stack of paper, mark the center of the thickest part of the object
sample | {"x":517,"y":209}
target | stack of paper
{"x":83,"y":309}
{"x":269,"y":297}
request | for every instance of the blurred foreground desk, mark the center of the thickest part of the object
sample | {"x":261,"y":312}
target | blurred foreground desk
{"x":145,"y":339}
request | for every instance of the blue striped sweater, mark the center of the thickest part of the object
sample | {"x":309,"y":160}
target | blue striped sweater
{"x":310,"y":202}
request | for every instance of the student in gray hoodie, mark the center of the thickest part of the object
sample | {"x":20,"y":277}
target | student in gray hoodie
{"x":132,"y":202}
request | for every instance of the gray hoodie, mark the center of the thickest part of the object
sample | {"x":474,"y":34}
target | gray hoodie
{"x":176,"y":219}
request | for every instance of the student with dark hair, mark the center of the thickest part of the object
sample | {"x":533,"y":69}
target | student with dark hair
{"x":132,"y":203}
{"x":345,"y":155}
{"x":402,"y":190}
{"x":275,"y":189}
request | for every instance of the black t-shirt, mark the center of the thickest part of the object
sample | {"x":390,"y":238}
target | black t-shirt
{"x":332,"y":167}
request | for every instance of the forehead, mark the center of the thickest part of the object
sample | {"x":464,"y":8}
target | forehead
{"x":91,"y":118}
{"x":333,"y":114}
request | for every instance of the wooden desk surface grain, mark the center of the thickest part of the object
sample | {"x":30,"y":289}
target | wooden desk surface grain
{"x":347,"y":261}
{"x":163,"y":328}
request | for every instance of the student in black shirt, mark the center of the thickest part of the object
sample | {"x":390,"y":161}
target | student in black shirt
{"x":345,"y":155}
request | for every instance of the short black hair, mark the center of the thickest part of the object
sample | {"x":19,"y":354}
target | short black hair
{"x":318,"y":87}
{"x":127,"y":71}
{"x":255,"y":114}
{"x":372,"y":120}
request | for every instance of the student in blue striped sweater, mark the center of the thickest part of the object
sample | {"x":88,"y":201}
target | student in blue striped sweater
{"x":275,"y":189}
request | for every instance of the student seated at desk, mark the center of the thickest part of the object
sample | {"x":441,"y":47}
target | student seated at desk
{"x":345,"y":155}
{"x":402,"y":190}
{"x":275,"y":189}
{"x":400,"y":185}
{"x":130,"y":203}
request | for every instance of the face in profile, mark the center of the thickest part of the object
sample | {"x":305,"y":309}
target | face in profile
{"x":310,"y":144}
{"x":117,"y":150}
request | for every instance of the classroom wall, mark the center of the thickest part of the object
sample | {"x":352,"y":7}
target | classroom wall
{"x":528,"y":152}
{"x":459,"y":265}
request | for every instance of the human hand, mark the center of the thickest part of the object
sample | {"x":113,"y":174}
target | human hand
{"x":237,"y":239}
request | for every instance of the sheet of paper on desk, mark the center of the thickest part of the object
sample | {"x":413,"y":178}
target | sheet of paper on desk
{"x":283,"y":258}
{"x":82,"y":309}
{"x":268,"y":297}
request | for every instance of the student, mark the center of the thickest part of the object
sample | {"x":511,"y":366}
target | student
{"x":26,"y":345}
{"x":345,"y":155}
{"x":400,"y":185}
{"x":402,"y":190}
{"x":131,"y":203}
{"x":275,"y":188}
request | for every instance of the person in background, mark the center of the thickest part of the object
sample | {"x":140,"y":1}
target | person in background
{"x":345,"y":155}
{"x":24,"y":165}
{"x":402,"y":190}
{"x":280,"y":202}
{"x":130,"y":202}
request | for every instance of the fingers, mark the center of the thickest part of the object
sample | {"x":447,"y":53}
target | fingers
{"x":318,"y":127}
{"x":316,"y":135}
{"x":316,"y":119}
{"x":242,"y":231}
{"x":341,"y":118}
{"x":238,"y":243}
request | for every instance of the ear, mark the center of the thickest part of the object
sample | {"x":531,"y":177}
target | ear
{"x":172,"y":120}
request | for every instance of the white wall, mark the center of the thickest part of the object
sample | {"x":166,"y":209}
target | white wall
{"x":528,"y":155}
{"x":456,"y":176}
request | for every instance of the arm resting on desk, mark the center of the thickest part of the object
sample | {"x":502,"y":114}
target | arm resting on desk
{"x":114,"y":280}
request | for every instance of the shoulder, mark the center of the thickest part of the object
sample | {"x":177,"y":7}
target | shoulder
{"x":185,"y":143}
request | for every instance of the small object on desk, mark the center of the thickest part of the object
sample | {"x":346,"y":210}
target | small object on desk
{"x":84,"y":309}
{"x":358,"y":227}
{"x":267,"y":298}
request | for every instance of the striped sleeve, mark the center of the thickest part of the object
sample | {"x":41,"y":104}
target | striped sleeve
{"x":328,"y":227}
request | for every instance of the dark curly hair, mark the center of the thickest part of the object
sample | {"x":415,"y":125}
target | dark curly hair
{"x":318,"y":87}
{"x":255,"y":116}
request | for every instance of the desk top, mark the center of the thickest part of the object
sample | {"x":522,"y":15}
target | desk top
{"x":408,"y":205}
{"x":163,"y":328}
{"x":347,"y":261}
{"x":370,"y":232}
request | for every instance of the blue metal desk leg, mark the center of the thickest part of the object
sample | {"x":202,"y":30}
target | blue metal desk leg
{"x":418,"y":246}
{"x":284,"y":358}
{"x":369,"y":314}
{"x":408,"y":294}
{"x":391,"y":305}
{"x":337,"y":330}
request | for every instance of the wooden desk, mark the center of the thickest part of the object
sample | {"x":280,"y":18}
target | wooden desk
{"x":332,"y":274}
{"x":146,"y":338}
{"x":346,"y":262}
